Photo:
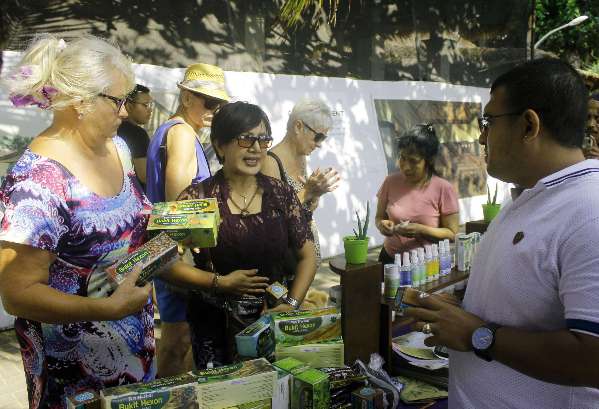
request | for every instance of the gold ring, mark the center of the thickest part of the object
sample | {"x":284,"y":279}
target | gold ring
{"x":426,"y":329}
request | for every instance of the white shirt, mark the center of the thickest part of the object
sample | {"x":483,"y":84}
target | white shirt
{"x":547,"y":281}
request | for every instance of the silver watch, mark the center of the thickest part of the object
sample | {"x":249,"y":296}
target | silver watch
{"x":293,"y":302}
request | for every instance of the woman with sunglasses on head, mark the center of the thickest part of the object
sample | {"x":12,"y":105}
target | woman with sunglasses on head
{"x":415,"y":206}
{"x":261,"y":219}
{"x":307,"y":128}
{"x":72,"y":207}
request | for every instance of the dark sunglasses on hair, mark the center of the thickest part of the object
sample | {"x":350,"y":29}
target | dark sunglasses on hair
{"x":119,"y":102}
{"x":318,"y":136}
{"x":486,"y":120}
{"x":247,"y":141}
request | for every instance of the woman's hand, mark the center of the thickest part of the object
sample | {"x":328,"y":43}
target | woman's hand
{"x":128,"y":298}
{"x":319,"y":183}
{"x":386,"y":227}
{"x":243,"y":282}
{"x":410,"y":230}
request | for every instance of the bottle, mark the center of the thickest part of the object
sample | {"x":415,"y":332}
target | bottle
{"x":391,"y":279}
{"x":405,"y":272}
{"x":398,"y":259}
{"x":414,"y":268}
{"x":444,"y":258}
{"x":436,"y":261}
{"x":428,"y":262}
{"x":421,"y":266}
{"x":450,"y":255}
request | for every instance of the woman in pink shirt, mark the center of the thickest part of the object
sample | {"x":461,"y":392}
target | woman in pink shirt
{"x":415,"y":206}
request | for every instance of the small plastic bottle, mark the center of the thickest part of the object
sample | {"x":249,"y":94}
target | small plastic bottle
{"x":428,"y":262}
{"x":435,"y":257}
{"x":398,"y":259}
{"x":405,"y":272}
{"x":414,"y":268}
{"x":421,"y":266}
{"x":391,"y":280}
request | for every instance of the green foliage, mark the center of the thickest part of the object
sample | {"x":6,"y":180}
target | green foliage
{"x":362,"y":233}
{"x":292,"y":10}
{"x":494,"y":201}
{"x":578,"y":44}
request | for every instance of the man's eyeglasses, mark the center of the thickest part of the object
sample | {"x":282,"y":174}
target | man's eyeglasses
{"x":247,"y":141}
{"x":119,"y":102}
{"x":486,"y":120}
{"x":318,"y":136}
{"x":147,"y":105}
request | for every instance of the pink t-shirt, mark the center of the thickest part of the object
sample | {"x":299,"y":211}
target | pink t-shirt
{"x":425,"y":205}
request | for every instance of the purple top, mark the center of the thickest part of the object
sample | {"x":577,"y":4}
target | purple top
{"x":258,"y":240}
{"x":48,"y":208}
{"x":156,"y":165}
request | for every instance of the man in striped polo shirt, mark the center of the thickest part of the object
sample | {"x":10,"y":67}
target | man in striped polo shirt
{"x":528,"y":333}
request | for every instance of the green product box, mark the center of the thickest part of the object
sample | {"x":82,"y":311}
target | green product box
{"x":154,"y":256}
{"x":310,"y":390}
{"x":256,"y":340}
{"x":196,"y":220}
{"x":245,"y":382}
{"x":306,"y":327}
{"x":327,"y":354}
{"x":172,"y":392}
{"x":88,"y":399}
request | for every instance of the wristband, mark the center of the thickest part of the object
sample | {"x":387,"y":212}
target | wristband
{"x":293,"y":302}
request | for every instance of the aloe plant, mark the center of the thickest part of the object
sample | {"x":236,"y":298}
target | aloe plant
{"x":362,"y":233}
{"x":494,"y":201}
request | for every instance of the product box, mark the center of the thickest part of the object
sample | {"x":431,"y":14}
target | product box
{"x":88,"y":399}
{"x":231,"y":385}
{"x":327,"y":354}
{"x":280,"y":398}
{"x":275,"y":293}
{"x":256,"y":340}
{"x":263,"y":404}
{"x":154,"y":256}
{"x":306,"y":327}
{"x":172,"y":392}
{"x":196,"y":220}
{"x":310,"y":390}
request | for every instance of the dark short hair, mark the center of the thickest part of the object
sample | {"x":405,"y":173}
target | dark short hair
{"x":233,"y":119}
{"x":139,"y":89}
{"x":423,"y":140}
{"x":595,"y":96}
{"x":555,"y":91}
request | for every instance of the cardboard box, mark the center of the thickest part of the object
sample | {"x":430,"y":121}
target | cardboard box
{"x":310,"y":390}
{"x":231,"y":385}
{"x":367,"y":398}
{"x":256,"y":340}
{"x":172,"y":392}
{"x":196,"y":220}
{"x":275,"y":293}
{"x":306,"y":327}
{"x":280,"y":399}
{"x":89,"y":399}
{"x":154,"y":256}
{"x":328,"y":354}
{"x":263,"y":404}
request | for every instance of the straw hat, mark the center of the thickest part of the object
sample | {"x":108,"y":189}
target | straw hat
{"x":205,"y":79}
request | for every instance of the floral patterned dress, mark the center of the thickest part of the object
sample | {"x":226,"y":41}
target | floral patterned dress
{"x":46,"y":207}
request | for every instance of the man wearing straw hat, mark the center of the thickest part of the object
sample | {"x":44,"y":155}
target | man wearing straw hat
{"x":175,"y":159}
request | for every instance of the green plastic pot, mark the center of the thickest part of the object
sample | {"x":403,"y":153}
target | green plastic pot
{"x":356,"y":251}
{"x":490,"y":211}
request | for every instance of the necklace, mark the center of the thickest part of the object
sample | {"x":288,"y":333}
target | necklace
{"x":243,"y":211}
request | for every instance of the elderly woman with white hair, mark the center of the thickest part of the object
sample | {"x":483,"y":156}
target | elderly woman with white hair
{"x":73,"y":206}
{"x":307,"y":128}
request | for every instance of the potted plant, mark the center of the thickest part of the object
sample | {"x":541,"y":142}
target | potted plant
{"x":491,"y":208}
{"x":356,"y":246}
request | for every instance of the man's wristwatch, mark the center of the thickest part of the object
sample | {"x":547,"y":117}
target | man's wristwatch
{"x":292,"y":301}
{"x":483,"y":339}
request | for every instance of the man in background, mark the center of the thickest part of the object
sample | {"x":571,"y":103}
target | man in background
{"x":139,"y":107}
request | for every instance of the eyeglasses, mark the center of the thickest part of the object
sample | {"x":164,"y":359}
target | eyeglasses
{"x":247,"y":141}
{"x":485,"y":121}
{"x":318,"y":136}
{"x":212,"y":104}
{"x":119,"y":102}
{"x":147,"y":105}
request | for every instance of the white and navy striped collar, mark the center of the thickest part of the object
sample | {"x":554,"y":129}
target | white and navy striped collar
{"x":571,"y":172}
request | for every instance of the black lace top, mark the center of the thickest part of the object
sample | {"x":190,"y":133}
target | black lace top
{"x":258,"y":240}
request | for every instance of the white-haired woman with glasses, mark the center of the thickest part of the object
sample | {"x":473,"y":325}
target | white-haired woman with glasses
{"x":73,"y":206}
{"x":261,"y":219}
{"x":307,"y":128}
